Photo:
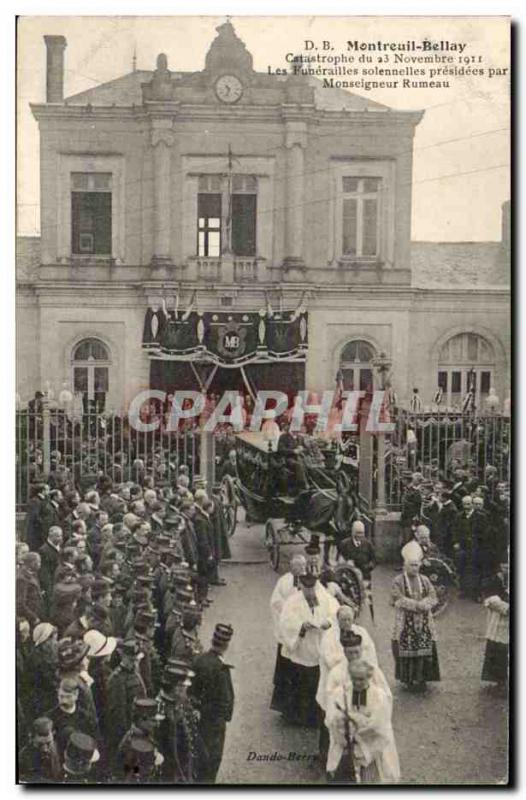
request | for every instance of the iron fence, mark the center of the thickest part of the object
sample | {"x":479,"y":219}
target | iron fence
{"x":436,"y":443}
{"x":67,"y":450}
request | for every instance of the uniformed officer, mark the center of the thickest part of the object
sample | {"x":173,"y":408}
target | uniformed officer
{"x":185,"y":640}
{"x":214,"y":693}
{"x":79,"y":759}
{"x":144,"y":726}
{"x":142,"y":764}
{"x":178,"y":731}
{"x":150,"y":665}
{"x":124,"y":685}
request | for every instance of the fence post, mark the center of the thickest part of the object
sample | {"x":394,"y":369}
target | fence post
{"x":207,"y":459}
{"x":365,"y":465}
{"x":380,"y":473}
{"x":46,"y":437}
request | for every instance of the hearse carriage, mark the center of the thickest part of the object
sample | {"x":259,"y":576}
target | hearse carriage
{"x":325,"y":510}
{"x":323,"y":513}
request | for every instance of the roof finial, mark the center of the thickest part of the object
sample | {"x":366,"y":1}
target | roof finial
{"x":134,"y":59}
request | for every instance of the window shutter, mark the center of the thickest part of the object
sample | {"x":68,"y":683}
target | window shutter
{"x":349,"y":226}
{"x":91,"y":223}
{"x":102,"y":220}
{"x":370,"y":227}
{"x":244,"y":224}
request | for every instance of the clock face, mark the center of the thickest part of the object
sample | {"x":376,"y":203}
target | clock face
{"x":229,"y":88}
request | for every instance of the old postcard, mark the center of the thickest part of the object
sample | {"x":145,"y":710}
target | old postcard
{"x":263,"y":418}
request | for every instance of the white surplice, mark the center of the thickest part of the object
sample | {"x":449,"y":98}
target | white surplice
{"x":332,"y":653}
{"x":371,"y":730}
{"x":305,"y":650}
{"x":498,"y":622}
{"x":282,"y":591}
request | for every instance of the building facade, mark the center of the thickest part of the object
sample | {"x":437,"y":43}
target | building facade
{"x":226,"y":197}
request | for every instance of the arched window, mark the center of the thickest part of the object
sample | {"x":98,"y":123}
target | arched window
{"x":356,"y":365}
{"x":90,"y":362}
{"x":466,"y":361}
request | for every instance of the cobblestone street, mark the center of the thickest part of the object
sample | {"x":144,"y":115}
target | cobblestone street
{"x":456,"y":733}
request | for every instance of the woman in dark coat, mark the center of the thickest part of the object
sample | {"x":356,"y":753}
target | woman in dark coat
{"x":42,"y":666}
{"x":24,"y":686}
{"x":29,"y":600}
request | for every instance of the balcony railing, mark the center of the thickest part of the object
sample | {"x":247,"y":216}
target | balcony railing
{"x":225,"y":269}
{"x":208,"y":269}
{"x":245,"y":270}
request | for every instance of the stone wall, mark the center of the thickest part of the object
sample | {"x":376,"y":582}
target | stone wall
{"x":409,"y":326}
{"x":300,"y":162}
{"x":65,"y":319}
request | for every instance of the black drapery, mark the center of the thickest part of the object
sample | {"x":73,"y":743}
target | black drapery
{"x":170,"y":376}
{"x":229,"y":339}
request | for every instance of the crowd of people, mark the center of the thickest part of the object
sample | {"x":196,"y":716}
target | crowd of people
{"x":327,"y":675}
{"x":468,"y":520}
{"x":114,"y":684}
{"x":113,"y":579}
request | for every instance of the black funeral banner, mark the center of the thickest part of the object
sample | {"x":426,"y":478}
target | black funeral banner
{"x":226,"y":338}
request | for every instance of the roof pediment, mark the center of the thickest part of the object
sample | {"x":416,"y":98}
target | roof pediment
{"x":227,"y":54}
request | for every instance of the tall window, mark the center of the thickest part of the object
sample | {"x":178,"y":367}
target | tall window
{"x":91,"y":213}
{"x":91,"y":362}
{"x":209,"y":224}
{"x":360,"y":224}
{"x":226,"y":215}
{"x":466,"y":361}
{"x":244,"y":207}
{"x":356,"y":366}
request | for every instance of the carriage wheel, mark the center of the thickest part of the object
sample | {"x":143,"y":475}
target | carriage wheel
{"x":350,"y":581}
{"x":442,"y":593}
{"x":272,"y":543}
{"x":436,"y":570}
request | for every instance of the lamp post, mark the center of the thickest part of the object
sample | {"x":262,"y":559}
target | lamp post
{"x":382,"y":364}
{"x":46,"y":431}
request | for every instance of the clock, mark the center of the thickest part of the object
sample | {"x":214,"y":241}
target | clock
{"x":229,"y":88}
